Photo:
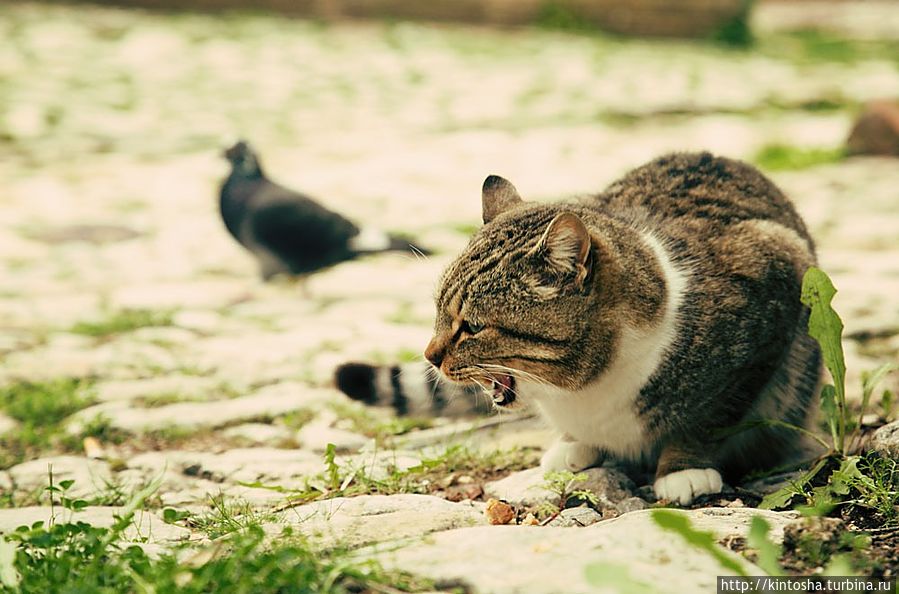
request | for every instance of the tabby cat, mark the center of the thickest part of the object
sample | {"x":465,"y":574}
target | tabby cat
{"x":653,"y":322}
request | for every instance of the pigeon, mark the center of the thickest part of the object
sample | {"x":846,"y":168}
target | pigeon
{"x":288,"y":232}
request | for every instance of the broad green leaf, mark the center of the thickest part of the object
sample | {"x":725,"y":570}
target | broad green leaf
{"x":768,"y":552}
{"x":826,"y":327}
{"x":842,"y":479}
{"x":782,"y":496}
{"x":679,"y":522}
{"x":821,"y":502}
{"x":617,"y":577}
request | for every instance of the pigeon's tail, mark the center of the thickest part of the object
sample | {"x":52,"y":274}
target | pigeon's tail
{"x":409,"y":388}
{"x":401,"y":244}
{"x":370,"y":241}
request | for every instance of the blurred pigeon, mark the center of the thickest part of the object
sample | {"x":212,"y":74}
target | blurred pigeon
{"x":288,"y":232}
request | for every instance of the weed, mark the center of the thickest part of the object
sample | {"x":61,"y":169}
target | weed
{"x":225,"y":517}
{"x":123,"y":321}
{"x":780,"y":157}
{"x":426,"y":477}
{"x":563,"y":483}
{"x":840,"y":477}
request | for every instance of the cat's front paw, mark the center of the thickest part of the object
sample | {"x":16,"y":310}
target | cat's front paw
{"x":569,"y":455}
{"x":684,"y":485}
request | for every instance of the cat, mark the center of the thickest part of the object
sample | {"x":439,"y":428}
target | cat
{"x":657,"y":322}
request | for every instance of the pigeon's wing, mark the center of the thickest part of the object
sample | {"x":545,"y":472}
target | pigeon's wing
{"x":303,"y":234}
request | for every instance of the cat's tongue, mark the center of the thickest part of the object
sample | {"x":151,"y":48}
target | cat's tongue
{"x":503,"y":390}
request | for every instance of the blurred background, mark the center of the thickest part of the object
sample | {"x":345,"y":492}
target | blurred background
{"x":125,"y":308}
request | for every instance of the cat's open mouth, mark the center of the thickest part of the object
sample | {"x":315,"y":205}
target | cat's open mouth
{"x":503,"y":390}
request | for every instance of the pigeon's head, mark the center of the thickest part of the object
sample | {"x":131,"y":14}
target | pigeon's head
{"x":242,"y":158}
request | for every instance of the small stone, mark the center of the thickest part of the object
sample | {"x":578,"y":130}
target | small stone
{"x":609,"y":485}
{"x":631,"y":504}
{"x":530,"y":520}
{"x":885,"y":440}
{"x":93,"y":448}
{"x":871,"y":420}
{"x":577,"y":516}
{"x":876,"y":130}
{"x":499,"y":512}
{"x":462,"y":492}
{"x":736,"y":503}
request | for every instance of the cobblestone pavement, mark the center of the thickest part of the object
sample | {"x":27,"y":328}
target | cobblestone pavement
{"x":115,"y":268}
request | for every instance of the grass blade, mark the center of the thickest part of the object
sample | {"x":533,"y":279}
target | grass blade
{"x":679,"y":523}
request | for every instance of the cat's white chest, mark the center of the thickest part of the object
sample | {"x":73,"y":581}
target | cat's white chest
{"x":603,"y":414}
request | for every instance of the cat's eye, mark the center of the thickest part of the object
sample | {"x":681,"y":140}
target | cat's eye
{"x":471,"y":327}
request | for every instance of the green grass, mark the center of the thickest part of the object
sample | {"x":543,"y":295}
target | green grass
{"x":351,"y":480}
{"x":811,"y":45}
{"x":40,"y":408}
{"x":74,"y":557}
{"x":123,"y":321}
{"x":781,"y":157}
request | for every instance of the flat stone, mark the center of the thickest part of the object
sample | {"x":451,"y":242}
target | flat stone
{"x":259,"y":433}
{"x":88,"y":233}
{"x":515,"y":559}
{"x":146,"y":526}
{"x":283,"y":467}
{"x":196,"y":294}
{"x":316,"y":437}
{"x":321,"y":431}
{"x":190,"y":386}
{"x":195,"y":415}
{"x":885,"y":440}
{"x":90,"y":476}
{"x":351,"y":522}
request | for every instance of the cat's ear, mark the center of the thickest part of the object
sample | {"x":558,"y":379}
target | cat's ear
{"x":497,"y":196}
{"x":566,"y":245}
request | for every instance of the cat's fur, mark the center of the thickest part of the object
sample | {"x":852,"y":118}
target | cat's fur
{"x":653,"y":321}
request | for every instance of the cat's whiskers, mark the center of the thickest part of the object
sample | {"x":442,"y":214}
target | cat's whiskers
{"x":516,"y":373}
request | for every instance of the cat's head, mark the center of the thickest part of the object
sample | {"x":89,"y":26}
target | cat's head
{"x":515,"y":306}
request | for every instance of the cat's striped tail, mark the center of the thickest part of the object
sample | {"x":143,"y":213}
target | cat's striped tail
{"x":410,"y":389}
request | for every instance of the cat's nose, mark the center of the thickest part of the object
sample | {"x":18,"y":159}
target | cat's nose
{"x":435,"y":353}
